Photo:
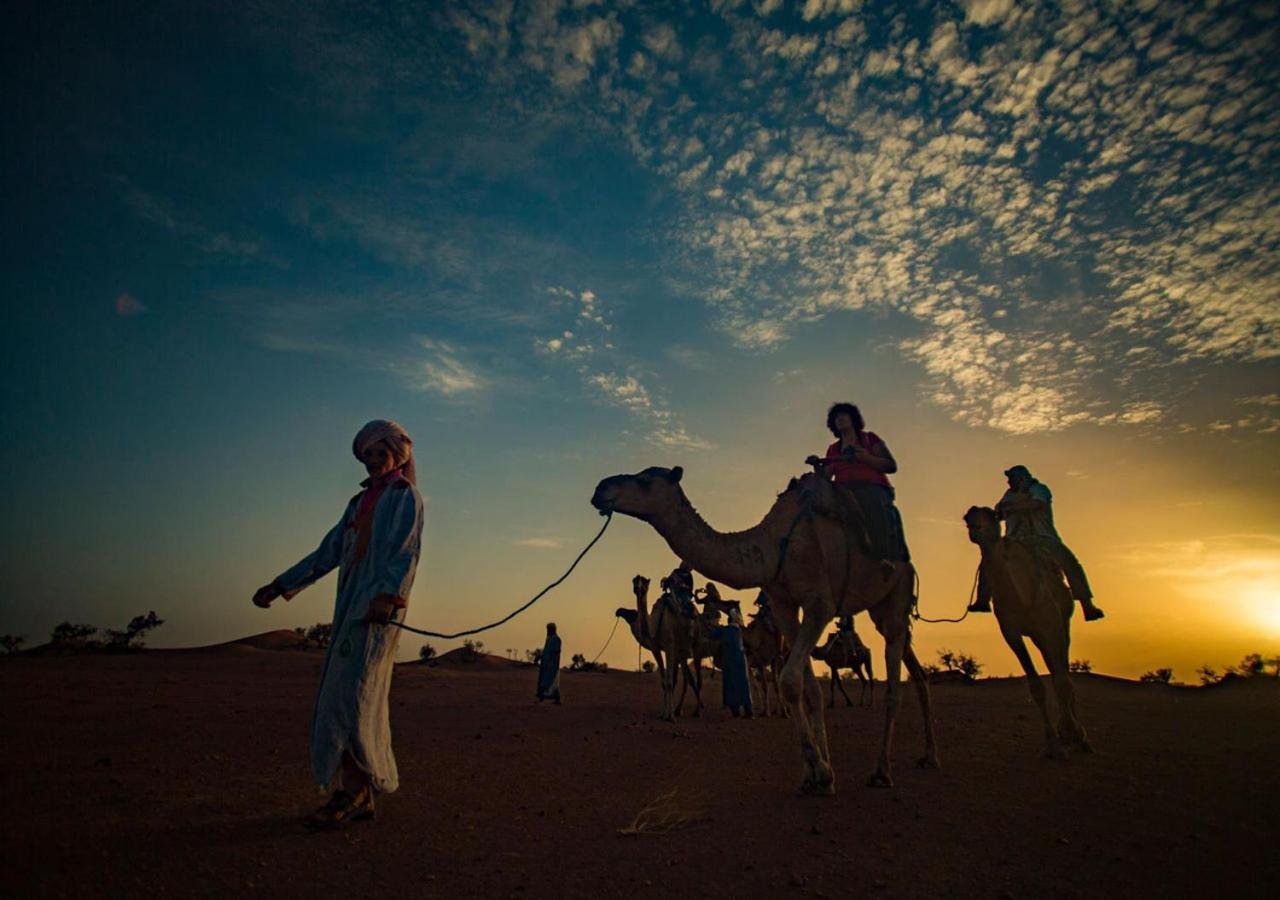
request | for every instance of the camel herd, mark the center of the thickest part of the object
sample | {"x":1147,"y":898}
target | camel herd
{"x":810,"y":555}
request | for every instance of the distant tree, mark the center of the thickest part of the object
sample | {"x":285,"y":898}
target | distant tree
{"x":1274,"y":663}
{"x":1208,"y":674}
{"x":1080,"y":665}
{"x":11,"y":642}
{"x":320,"y":634}
{"x":131,"y":637}
{"x":1252,"y":665}
{"x":648,"y":666}
{"x":1157,"y":676}
{"x":534,"y":656}
{"x":969,"y":665}
{"x":474,"y":648}
{"x":67,"y":636}
{"x":959,"y":662}
{"x":426,"y":653}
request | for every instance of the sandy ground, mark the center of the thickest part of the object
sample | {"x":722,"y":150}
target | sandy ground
{"x":185,"y":773}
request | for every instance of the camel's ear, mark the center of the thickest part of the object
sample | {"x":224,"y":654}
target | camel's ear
{"x":676,"y":474}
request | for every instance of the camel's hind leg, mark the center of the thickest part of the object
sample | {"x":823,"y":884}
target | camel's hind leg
{"x":1070,"y":731}
{"x":869,"y":686}
{"x":1053,"y":744}
{"x":803,"y":698}
{"x":921,"y":680}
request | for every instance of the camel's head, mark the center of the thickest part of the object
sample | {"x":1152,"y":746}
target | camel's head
{"x":640,"y":495}
{"x":983,"y":525}
{"x":640,"y":586}
{"x":629,"y":615}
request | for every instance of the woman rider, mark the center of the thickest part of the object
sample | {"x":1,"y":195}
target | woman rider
{"x":859,"y":461}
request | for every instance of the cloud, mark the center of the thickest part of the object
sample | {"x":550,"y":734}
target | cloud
{"x":128,"y":305}
{"x":441,"y":371}
{"x":540,"y":543}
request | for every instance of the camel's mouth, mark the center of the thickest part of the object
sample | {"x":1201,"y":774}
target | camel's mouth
{"x":602,"y":503}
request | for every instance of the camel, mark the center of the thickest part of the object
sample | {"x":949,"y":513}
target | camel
{"x":811,"y":560}
{"x":669,"y":636}
{"x":762,"y":642}
{"x":1031,"y":601}
{"x":836,"y":654}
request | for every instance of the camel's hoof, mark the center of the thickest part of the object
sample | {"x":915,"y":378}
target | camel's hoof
{"x":811,"y":788}
{"x":928,"y":762}
{"x":880,"y":779}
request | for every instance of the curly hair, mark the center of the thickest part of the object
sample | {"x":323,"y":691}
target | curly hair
{"x":853,"y":413}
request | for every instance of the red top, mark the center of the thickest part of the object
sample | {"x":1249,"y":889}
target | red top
{"x":845,"y":472}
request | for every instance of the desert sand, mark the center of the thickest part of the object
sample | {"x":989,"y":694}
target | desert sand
{"x":185,"y":773}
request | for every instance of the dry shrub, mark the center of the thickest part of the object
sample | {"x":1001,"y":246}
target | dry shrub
{"x":670,"y":812}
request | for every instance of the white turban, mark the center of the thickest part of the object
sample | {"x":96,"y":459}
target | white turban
{"x":391,"y":435}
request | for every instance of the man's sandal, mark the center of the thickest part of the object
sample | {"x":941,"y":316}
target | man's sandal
{"x":342,"y":808}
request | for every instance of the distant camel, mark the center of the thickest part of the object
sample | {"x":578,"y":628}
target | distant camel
{"x":762,"y":641}
{"x":809,"y":555}
{"x":1031,"y":601}
{"x":836,"y":654}
{"x":669,"y":636}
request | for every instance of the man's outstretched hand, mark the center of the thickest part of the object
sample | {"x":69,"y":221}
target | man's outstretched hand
{"x":265,"y":594}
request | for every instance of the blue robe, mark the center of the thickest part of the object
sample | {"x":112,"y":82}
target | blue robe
{"x":737,"y":689}
{"x":549,"y":669}
{"x":351,"y":711}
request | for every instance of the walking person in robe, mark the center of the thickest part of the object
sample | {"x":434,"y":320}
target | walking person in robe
{"x":375,"y":547}
{"x":737,"y":689}
{"x":549,"y":667}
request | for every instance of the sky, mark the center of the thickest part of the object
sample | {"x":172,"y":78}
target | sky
{"x":566,"y":239}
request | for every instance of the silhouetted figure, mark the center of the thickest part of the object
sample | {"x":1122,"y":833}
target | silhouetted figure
{"x":375,"y":548}
{"x":1027,"y":511}
{"x":549,"y":667}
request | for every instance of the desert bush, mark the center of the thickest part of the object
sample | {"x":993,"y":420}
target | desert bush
{"x":1252,"y":665}
{"x":1080,"y":665}
{"x":580,"y":664}
{"x":1157,"y":676}
{"x":426,"y":653}
{"x":475,"y":648}
{"x":959,"y":662}
{"x":320,"y":634}
{"x":131,"y":637}
{"x":1208,"y":674}
{"x":11,"y":642}
{"x":67,"y":636}
{"x":648,"y":666}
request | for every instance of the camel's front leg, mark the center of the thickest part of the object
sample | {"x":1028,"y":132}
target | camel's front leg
{"x":1069,"y":728}
{"x":1053,"y":744}
{"x":895,"y":642}
{"x":796,"y":682}
{"x":666,"y":679}
{"x":921,"y":679}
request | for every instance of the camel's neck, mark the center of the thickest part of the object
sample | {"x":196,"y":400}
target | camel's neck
{"x":642,"y":613}
{"x":740,"y":559}
{"x":995,"y":563}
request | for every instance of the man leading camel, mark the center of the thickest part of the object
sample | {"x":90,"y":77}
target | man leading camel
{"x":375,"y":548}
{"x":1027,"y":510}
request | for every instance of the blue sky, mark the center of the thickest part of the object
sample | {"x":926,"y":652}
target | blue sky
{"x":560,"y":240}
